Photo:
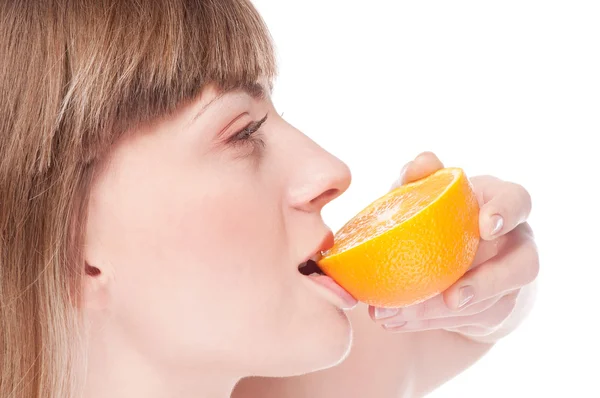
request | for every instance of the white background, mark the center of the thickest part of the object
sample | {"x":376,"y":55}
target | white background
{"x":509,"y":88}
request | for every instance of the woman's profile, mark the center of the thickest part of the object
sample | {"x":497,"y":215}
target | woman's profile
{"x":155,"y":207}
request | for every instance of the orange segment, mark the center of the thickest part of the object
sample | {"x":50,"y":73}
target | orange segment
{"x":410,"y":244}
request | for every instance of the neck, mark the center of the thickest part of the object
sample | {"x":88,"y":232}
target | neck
{"x":116,"y":369}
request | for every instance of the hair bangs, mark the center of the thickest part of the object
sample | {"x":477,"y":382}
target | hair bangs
{"x":129,"y":62}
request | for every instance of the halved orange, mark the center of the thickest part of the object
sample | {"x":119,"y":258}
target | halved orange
{"x":410,"y":244}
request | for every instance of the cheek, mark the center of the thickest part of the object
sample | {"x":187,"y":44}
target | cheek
{"x":192,"y":255}
{"x":233,"y":240}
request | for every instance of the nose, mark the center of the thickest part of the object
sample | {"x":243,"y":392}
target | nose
{"x":319,"y":178}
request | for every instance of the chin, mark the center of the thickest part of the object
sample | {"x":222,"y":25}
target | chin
{"x":334,"y":344}
{"x":321,"y":340}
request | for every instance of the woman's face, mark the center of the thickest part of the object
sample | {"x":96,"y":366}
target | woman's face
{"x":198,"y":230}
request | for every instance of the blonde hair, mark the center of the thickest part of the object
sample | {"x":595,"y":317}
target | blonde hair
{"x":75,"y":75}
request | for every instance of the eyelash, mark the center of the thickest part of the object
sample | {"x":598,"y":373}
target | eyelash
{"x":248,"y":135}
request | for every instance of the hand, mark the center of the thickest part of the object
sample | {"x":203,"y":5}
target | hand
{"x":480,"y":305}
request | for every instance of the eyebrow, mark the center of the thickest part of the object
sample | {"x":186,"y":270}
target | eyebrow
{"x":254,"y":90}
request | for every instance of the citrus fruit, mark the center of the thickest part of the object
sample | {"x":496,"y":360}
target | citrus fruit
{"x":410,"y":244}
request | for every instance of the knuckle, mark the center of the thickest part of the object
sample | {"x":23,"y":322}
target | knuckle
{"x":526,"y":231}
{"x":522,"y":193}
{"x":525,"y":194}
{"x":520,"y":189}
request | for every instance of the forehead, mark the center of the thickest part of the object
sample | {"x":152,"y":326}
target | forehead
{"x":213,"y":93}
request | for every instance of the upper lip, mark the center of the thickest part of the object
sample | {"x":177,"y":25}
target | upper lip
{"x":326,"y":243}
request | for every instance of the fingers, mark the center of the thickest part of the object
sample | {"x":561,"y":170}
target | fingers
{"x":489,"y":249}
{"x":505,"y":206}
{"x":506,"y":260}
{"x":430,"y":309}
{"x":516,"y":266}
{"x":423,"y":165}
{"x":484,"y":322}
{"x":507,"y":263}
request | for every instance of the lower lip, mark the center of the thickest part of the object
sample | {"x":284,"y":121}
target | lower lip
{"x":348,"y":302}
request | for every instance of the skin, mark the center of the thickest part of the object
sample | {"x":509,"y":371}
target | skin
{"x":411,"y":351}
{"x":193,"y":242}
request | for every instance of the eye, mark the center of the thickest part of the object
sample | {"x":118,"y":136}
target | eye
{"x":246,"y":133}
{"x":249,"y":139}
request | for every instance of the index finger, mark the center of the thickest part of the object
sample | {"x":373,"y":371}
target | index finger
{"x":506,"y":205}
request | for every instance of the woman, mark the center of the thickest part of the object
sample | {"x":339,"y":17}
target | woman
{"x":154,"y":209}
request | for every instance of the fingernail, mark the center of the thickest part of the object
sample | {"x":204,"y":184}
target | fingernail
{"x":382,"y":313}
{"x":465,"y":295}
{"x":497,"y":223}
{"x":394,"y":324}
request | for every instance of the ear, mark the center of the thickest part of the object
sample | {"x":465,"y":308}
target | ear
{"x":97,"y":283}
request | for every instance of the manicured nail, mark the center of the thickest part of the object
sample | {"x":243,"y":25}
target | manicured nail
{"x":382,"y":313}
{"x":394,"y":324}
{"x":465,"y":295}
{"x":497,"y":223}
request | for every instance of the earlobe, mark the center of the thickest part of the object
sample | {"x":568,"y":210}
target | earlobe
{"x":96,"y":287}
{"x":91,"y":271}
{"x":98,"y":272}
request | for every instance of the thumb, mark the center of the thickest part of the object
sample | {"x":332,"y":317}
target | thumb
{"x":423,"y":165}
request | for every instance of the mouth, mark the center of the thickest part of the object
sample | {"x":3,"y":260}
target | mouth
{"x":310,"y":267}
{"x":326,"y":285}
